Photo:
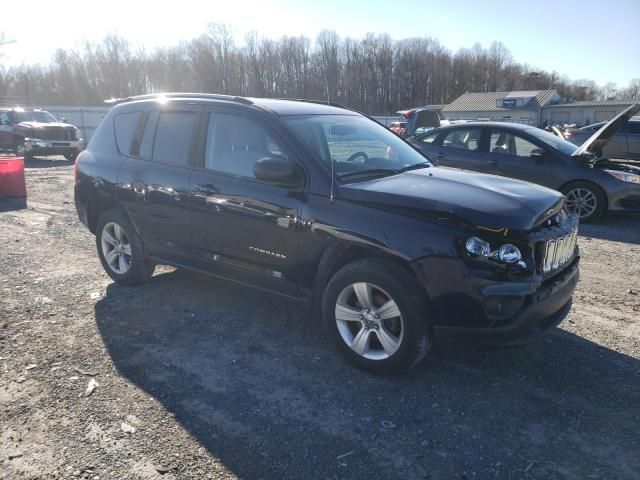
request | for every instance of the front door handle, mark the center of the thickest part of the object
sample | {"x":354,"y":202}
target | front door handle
{"x":440,"y":155}
{"x":206,"y":189}
{"x":493,"y":161}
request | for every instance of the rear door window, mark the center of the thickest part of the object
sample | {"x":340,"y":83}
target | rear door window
{"x":125,"y":126}
{"x":463,"y":139}
{"x":173,"y":137}
{"x":149,"y":135}
{"x":429,"y":138}
{"x":507,"y":143}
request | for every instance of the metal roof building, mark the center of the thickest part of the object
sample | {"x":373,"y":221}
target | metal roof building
{"x":583,"y":113}
{"x":516,"y":107}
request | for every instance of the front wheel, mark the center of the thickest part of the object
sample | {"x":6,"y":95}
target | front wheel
{"x":586,"y":200}
{"x":121,"y":250}
{"x":21,"y":151}
{"x":376,"y":316}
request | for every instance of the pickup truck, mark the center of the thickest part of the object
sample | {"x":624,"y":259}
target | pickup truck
{"x":34,"y":132}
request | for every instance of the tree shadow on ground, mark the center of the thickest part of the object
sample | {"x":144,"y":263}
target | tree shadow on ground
{"x":254,"y":380}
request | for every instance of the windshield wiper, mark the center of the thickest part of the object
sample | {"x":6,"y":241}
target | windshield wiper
{"x":415,"y":166}
{"x":369,"y":172}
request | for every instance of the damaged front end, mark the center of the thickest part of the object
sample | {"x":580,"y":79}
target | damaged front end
{"x":509,"y":286}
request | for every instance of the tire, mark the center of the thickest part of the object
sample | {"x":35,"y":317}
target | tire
{"x":410,"y":331}
{"x":21,"y":151}
{"x":117,"y":238}
{"x":585,"y":198}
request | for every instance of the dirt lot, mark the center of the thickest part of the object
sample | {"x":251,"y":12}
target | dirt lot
{"x":198,"y":378}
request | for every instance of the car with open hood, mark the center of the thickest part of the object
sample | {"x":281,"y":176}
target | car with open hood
{"x":322,"y":204}
{"x":625,"y":144}
{"x":30,"y":132}
{"x":592,"y":183}
{"x":416,"y":121}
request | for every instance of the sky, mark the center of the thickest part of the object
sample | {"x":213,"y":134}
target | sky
{"x":581,"y":39}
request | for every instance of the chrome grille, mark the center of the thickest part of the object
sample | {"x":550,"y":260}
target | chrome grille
{"x":55,"y":133}
{"x":558,"y":251}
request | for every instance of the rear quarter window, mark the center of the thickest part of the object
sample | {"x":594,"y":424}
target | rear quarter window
{"x":125,"y":125}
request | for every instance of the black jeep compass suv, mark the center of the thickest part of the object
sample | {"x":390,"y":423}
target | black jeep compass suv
{"x":320,"y":203}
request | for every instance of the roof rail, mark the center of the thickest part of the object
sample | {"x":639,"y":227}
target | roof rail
{"x":320,"y":102}
{"x":211,"y":96}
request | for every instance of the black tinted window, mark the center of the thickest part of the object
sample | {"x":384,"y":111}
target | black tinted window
{"x":146,"y":143}
{"x":125,"y":127}
{"x":429,"y":138}
{"x":235,"y":144}
{"x":463,"y":139}
{"x":632,"y":128}
{"x":173,"y":137}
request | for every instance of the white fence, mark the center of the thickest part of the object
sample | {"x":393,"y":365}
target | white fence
{"x":86,"y":119}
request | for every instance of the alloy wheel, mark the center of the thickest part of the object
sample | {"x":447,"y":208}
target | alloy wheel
{"x":116,"y":248}
{"x":369,"y":321}
{"x":581,"y":201}
{"x":21,"y":150}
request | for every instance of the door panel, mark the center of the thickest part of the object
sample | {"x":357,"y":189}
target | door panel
{"x":508,"y":155}
{"x":155,"y":190}
{"x":460,"y":148}
{"x":244,"y":224}
{"x":156,"y":196}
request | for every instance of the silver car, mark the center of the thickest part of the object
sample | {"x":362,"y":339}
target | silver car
{"x":625,"y":144}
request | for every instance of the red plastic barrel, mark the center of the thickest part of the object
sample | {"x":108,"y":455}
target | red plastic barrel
{"x":12,"y":184}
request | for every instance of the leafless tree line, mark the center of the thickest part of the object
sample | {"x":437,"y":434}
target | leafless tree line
{"x":375,"y":74}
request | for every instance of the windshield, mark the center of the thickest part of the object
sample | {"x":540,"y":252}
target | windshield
{"x":40,"y":116}
{"x":357,"y":145}
{"x":553,"y":141}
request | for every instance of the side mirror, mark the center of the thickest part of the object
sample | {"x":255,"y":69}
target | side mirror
{"x":538,"y":154}
{"x":63,"y":120}
{"x":278,"y":170}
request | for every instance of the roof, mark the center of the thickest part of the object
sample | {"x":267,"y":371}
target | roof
{"x":487,"y":101}
{"x":502,"y":125}
{"x":603,"y":103}
{"x":273,"y":105}
{"x":300,"y":107}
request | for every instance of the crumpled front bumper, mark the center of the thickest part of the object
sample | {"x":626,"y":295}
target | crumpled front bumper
{"x":526,"y":310}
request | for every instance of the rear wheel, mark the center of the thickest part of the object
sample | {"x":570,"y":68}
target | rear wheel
{"x":121,"y":250}
{"x":586,"y":200}
{"x":377,"y":316}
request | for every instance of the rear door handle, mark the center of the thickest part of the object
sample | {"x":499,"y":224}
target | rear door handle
{"x":493,"y":161}
{"x":139,"y":188}
{"x":440,"y":155}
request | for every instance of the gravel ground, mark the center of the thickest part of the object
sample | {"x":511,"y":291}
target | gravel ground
{"x":199,"y":378}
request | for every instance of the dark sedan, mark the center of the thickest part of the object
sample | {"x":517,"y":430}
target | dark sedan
{"x":592,"y":184}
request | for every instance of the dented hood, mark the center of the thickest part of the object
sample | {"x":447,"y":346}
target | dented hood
{"x":479,"y":199}
{"x":598,"y":140}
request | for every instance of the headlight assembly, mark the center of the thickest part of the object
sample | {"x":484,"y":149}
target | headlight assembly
{"x":507,"y":254}
{"x":624,"y":176}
